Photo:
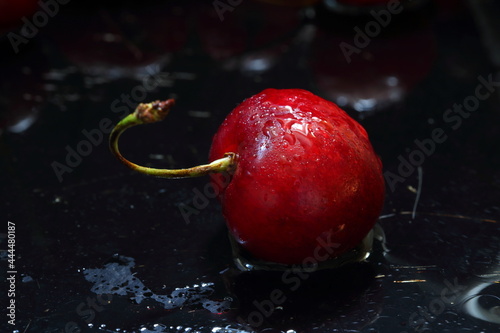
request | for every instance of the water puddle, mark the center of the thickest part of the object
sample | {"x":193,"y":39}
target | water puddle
{"x":117,"y":278}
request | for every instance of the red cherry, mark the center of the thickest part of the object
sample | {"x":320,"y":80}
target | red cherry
{"x":302,"y":173}
{"x":305,"y":169}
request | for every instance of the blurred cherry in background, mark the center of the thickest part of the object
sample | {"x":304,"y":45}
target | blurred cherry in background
{"x":12,"y":12}
{"x":251,"y":36}
{"x":121,"y":42}
{"x":364,"y":73}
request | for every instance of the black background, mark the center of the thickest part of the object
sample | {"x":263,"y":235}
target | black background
{"x":71,"y":75}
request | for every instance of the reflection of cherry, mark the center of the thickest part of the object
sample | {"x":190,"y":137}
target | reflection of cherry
{"x":349,"y":298}
{"x":375,"y":76}
{"x":302,"y":174}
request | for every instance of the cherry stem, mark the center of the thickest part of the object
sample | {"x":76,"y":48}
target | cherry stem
{"x":147,"y":113}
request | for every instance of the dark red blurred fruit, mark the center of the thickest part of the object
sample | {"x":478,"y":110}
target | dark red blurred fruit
{"x":12,"y":11}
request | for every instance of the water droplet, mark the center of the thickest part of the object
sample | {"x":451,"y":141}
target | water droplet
{"x":27,"y":278}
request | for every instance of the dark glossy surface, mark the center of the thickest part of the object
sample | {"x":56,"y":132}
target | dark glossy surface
{"x":101,"y":249}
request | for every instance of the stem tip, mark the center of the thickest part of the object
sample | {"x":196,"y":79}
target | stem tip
{"x":154,"y":111}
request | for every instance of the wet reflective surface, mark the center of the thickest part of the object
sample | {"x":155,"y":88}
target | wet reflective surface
{"x":99,"y":248}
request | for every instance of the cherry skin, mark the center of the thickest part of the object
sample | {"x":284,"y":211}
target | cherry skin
{"x":305,"y":175}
